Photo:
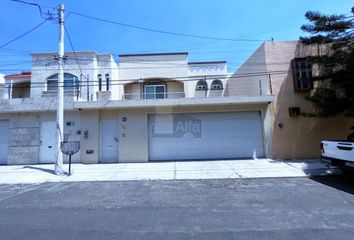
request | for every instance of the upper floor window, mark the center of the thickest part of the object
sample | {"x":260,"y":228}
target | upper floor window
{"x":70,"y":82}
{"x":201,"y":85}
{"x":155,"y":90}
{"x":216,"y":84}
{"x":99,"y":77}
{"x":302,"y":74}
{"x":107,"y":81}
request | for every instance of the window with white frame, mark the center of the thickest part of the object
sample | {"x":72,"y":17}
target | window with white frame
{"x":155,"y":91}
{"x":70,"y":82}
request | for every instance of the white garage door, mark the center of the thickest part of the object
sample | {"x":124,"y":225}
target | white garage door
{"x":205,"y":136}
{"x":4,"y":132}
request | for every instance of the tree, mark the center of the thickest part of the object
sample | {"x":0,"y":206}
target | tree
{"x":336,"y":66}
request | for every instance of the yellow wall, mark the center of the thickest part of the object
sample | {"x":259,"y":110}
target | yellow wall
{"x":299,"y":137}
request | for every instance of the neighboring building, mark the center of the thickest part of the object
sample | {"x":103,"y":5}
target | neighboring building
{"x":2,"y":84}
{"x":147,"y":107}
{"x":19,"y":85}
{"x":284,"y":64}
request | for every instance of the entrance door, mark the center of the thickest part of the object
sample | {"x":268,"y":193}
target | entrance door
{"x":47,"y":141}
{"x":109,"y":141}
{"x":4,"y":132}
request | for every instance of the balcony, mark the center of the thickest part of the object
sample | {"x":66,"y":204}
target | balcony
{"x":139,"y":96}
{"x":163,"y":95}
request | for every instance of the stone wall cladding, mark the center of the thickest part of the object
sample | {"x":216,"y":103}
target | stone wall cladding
{"x":24,"y":138}
{"x":23,"y":155}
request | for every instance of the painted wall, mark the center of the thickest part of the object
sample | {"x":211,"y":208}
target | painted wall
{"x":132,"y":68}
{"x":299,"y":137}
{"x":89,"y":150}
{"x":133,"y":140}
{"x":89,"y":64}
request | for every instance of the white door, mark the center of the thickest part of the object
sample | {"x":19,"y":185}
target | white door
{"x":205,"y":136}
{"x":4,"y":134}
{"x":109,"y":141}
{"x":47,"y":142}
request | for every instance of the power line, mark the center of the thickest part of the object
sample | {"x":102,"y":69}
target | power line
{"x":163,"y":31}
{"x":43,"y":14}
{"x":24,"y":34}
{"x":72,"y":48}
{"x":180,"y":79}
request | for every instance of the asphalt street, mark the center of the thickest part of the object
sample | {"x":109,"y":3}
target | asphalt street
{"x":268,"y":208}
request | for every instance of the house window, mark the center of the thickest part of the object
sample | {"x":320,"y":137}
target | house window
{"x":70,"y":82}
{"x":216,"y":84}
{"x":99,"y":77}
{"x":201,"y":85}
{"x":302,"y":74}
{"x":107,"y":82}
{"x":155,"y":91}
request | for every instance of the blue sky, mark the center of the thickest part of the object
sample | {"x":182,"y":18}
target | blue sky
{"x":251,"y":19}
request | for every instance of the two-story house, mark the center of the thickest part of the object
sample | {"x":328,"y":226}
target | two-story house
{"x":144,"y":107}
{"x":285,"y":65}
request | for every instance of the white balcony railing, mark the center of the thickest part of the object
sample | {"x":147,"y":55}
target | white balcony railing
{"x":129,"y":96}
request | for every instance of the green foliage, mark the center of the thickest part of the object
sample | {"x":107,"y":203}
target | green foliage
{"x":337,"y":66}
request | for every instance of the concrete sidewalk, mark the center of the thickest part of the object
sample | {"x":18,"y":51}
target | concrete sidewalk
{"x":258,"y":168}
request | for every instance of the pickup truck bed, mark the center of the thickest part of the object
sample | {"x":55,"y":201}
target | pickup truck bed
{"x":338,"y":152}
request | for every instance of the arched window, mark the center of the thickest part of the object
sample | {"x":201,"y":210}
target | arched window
{"x":99,"y":77}
{"x":70,"y":82}
{"x":107,"y":81}
{"x":201,"y":85}
{"x":216,"y":84}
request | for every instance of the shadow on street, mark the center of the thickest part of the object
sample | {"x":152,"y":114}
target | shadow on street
{"x":41,"y":169}
{"x":341,"y":182}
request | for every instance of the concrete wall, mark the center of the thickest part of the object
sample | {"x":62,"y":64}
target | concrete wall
{"x":89,"y":150}
{"x":299,"y":137}
{"x":89,"y":64}
{"x":133,"y":136}
{"x":133,"y":141}
{"x":24,"y":135}
{"x":132,"y":68}
{"x":250,"y":79}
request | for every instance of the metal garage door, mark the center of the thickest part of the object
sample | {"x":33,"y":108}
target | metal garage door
{"x":205,"y":136}
{"x":4,"y":132}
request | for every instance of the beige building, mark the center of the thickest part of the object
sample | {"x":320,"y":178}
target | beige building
{"x":161,"y":107}
{"x":283,"y":63}
{"x":145,"y":107}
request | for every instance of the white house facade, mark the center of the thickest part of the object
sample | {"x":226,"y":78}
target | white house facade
{"x":145,"y":107}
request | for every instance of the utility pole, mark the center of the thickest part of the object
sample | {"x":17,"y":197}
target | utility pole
{"x":60,"y":105}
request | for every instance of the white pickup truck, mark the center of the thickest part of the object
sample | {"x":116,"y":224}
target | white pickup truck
{"x":339,"y":153}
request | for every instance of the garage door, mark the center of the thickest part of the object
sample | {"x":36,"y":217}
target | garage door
{"x":205,"y":136}
{"x":4,"y":132}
